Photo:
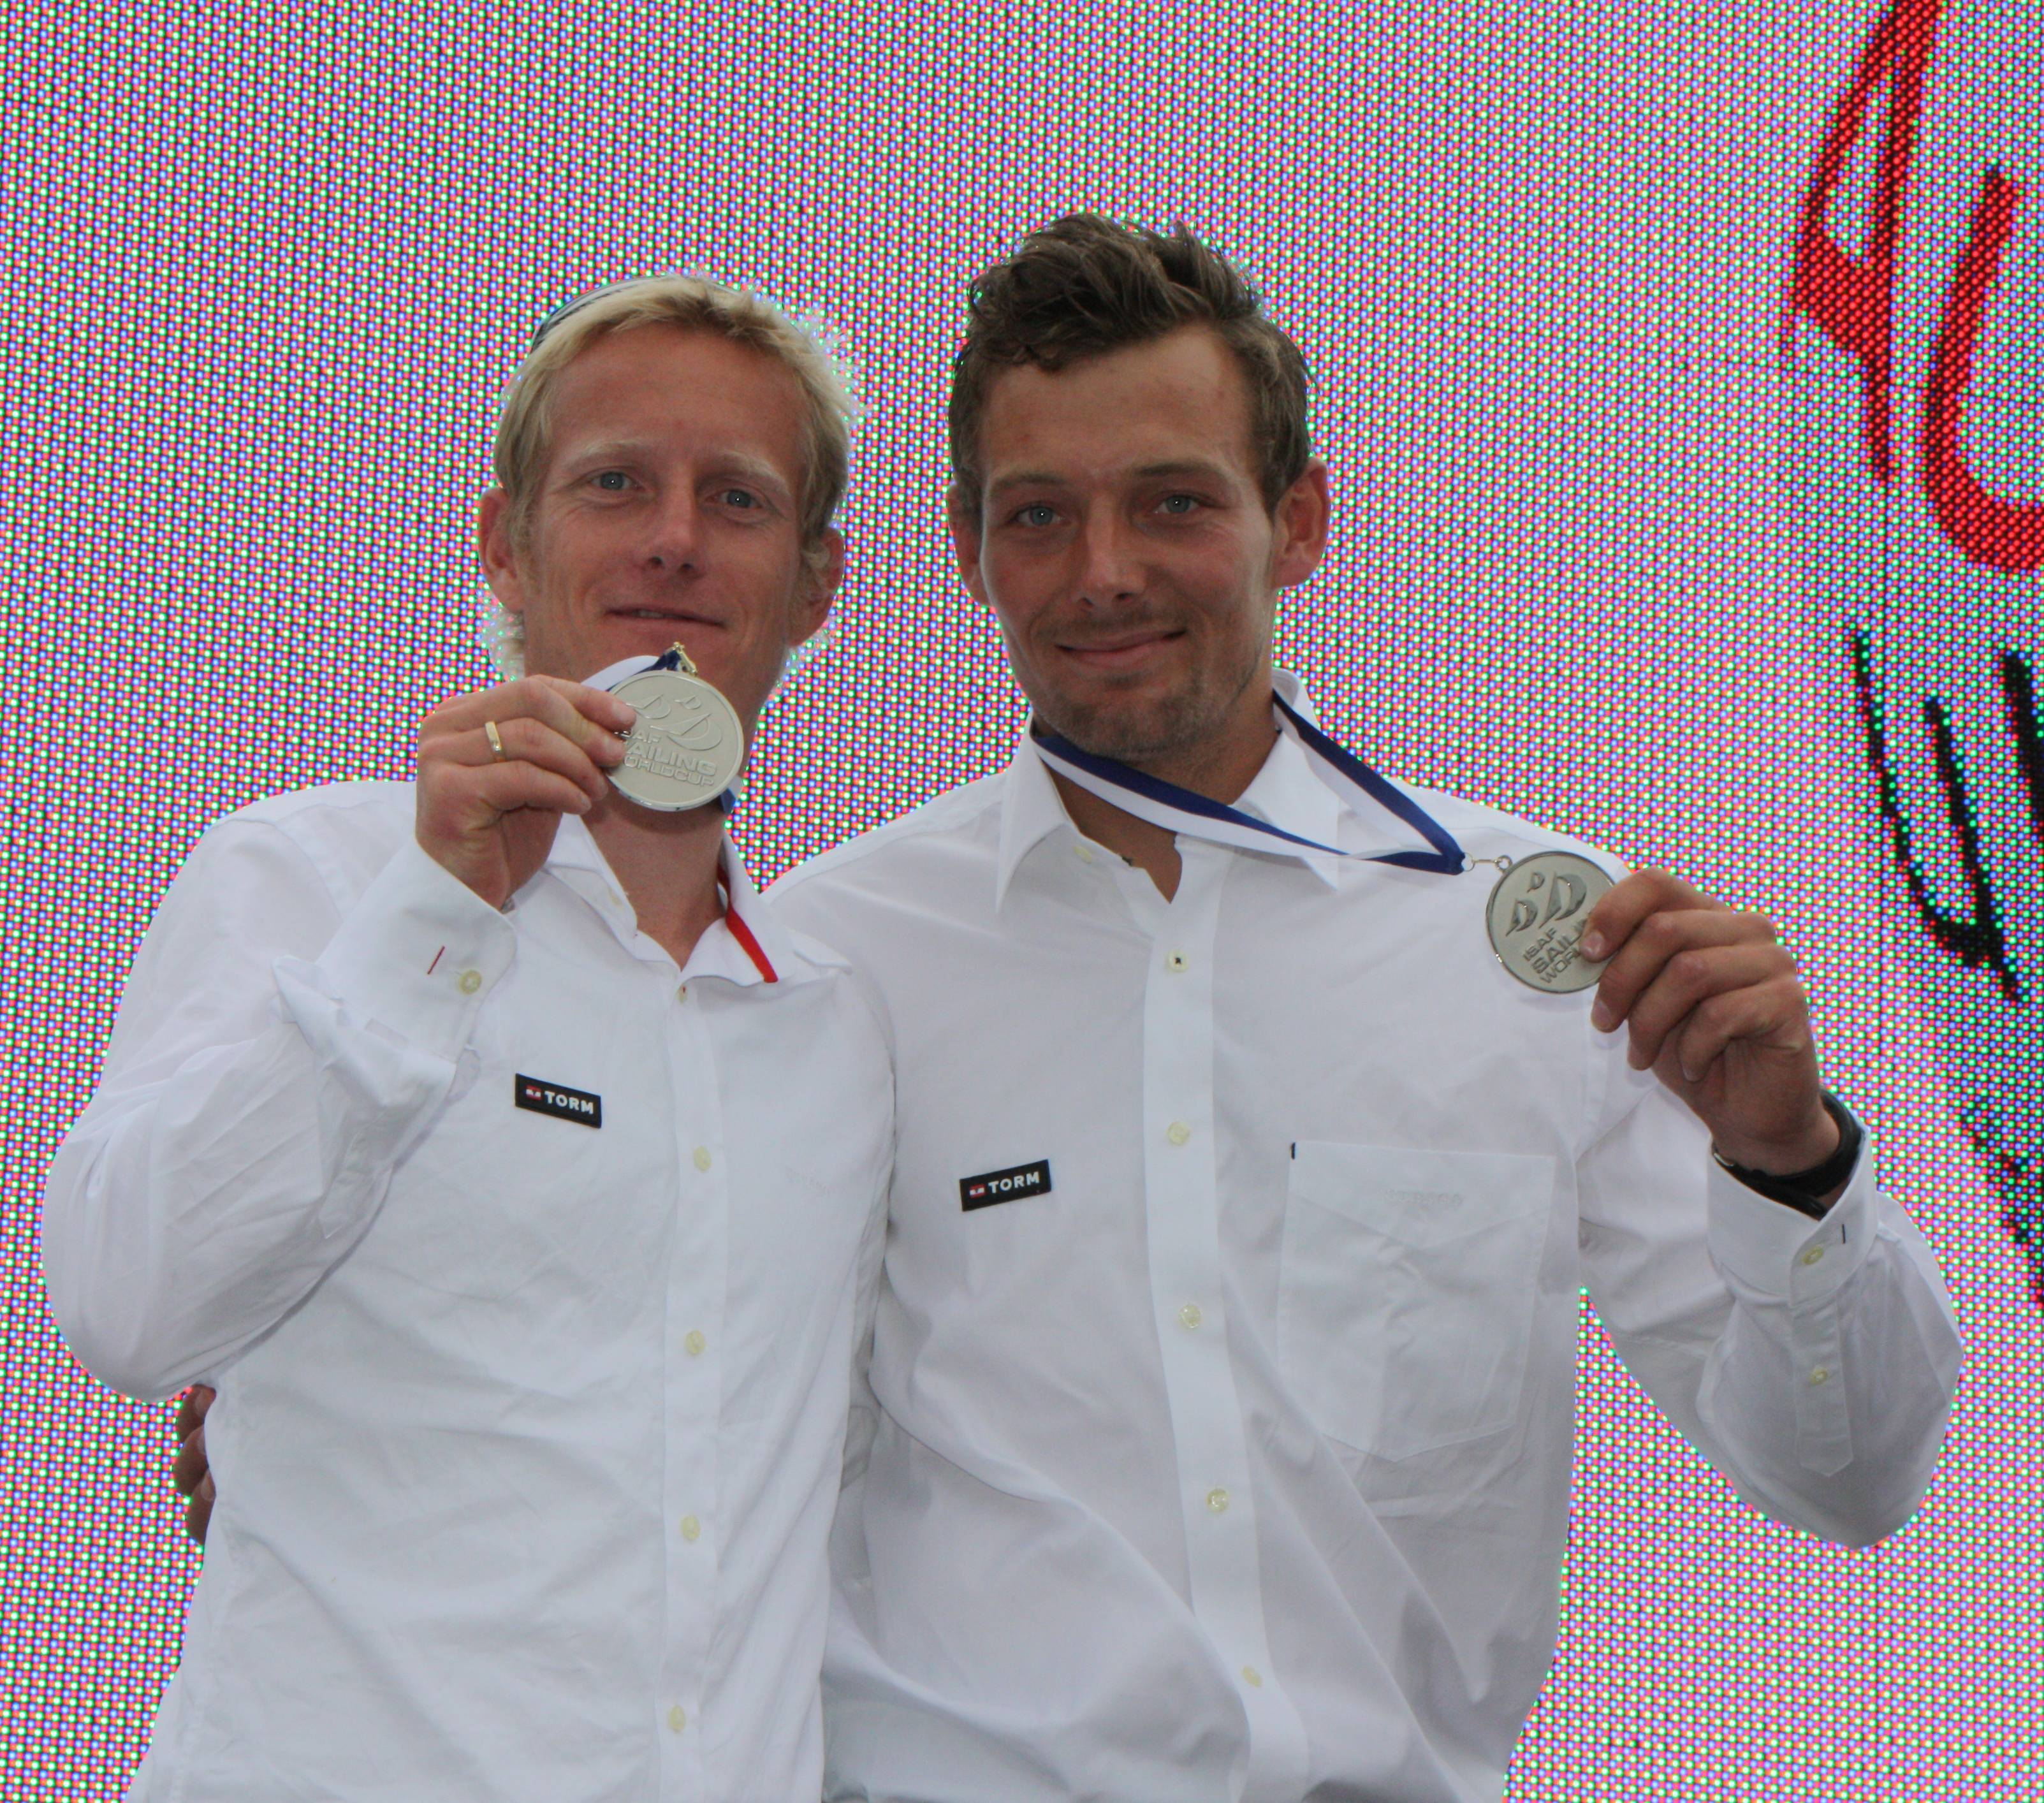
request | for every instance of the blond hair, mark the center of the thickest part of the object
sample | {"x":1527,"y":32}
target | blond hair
{"x":694,"y":303}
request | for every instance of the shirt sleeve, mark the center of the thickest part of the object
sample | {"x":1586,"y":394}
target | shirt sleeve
{"x":1812,"y":1362}
{"x":276,"y":1054}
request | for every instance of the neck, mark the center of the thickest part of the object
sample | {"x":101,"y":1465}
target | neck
{"x":1221,"y":771}
{"x":667,"y":864}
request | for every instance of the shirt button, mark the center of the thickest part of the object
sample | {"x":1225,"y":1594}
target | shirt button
{"x":695,"y":1344}
{"x":691,"y":1529}
{"x":1821,"y":1374}
{"x":681,"y":994}
{"x":678,"y":1718}
{"x":1189,"y":1316}
{"x":1178,"y":1132}
{"x":1176,"y":962}
{"x":1251,"y":1676}
{"x":703,"y":1157}
{"x":1085,"y":854}
{"x":470,"y":982}
{"x":1217,"y":1500}
{"x":1813,"y":1253}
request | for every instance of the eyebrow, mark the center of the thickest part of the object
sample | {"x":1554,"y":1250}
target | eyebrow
{"x":1176,"y":466}
{"x":754,"y":469}
{"x":1025,"y":478}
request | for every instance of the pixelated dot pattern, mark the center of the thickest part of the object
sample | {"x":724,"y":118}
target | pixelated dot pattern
{"x":269,"y":268}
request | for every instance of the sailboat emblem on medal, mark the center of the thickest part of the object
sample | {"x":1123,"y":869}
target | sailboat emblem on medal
{"x":1536,"y":915}
{"x":686,"y":744}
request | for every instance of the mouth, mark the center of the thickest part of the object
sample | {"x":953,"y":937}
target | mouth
{"x":673,"y":618}
{"x":1125,"y":651}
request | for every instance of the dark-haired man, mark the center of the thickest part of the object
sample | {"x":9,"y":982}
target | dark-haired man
{"x":1222,"y":1388}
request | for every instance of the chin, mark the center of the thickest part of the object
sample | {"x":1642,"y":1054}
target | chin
{"x":1133,"y":729}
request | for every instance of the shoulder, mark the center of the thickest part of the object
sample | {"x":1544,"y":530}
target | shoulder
{"x":328,"y":806}
{"x":954,"y":828}
{"x":887,"y":896}
{"x":345,"y":832}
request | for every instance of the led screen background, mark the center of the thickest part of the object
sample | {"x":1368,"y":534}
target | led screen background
{"x":1605,"y":537}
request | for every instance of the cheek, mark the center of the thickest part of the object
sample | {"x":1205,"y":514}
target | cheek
{"x":1019,"y":589}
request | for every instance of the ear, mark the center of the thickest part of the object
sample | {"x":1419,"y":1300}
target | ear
{"x":1300,"y":538}
{"x":823,"y":574}
{"x":967,"y":521}
{"x":494,"y":550}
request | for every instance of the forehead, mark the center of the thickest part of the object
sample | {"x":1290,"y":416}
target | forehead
{"x":679,"y":391}
{"x":1177,"y":397}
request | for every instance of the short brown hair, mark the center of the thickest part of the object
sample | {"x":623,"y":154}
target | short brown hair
{"x":1083,"y":286}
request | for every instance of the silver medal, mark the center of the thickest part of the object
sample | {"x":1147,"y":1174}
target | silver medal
{"x":1536,"y":915}
{"x":686,"y":744}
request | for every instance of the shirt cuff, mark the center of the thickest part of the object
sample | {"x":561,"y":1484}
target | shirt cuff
{"x":418,"y":953}
{"x":1775,"y":1254}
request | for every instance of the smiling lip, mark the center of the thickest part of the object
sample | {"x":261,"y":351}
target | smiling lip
{"x":659,"y":617}
{"x":1120,"y":654}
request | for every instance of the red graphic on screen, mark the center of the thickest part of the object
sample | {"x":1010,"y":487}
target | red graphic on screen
{"x":2000,"y":535}
{"x":1851,"y":299}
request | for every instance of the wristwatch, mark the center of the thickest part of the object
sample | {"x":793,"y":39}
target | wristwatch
{"x":1805,"y":1191}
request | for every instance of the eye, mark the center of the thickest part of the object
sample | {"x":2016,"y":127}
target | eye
{"x":610,"y":481}
{"x":1178,"y":506}
{"x":739,"y":497}
{"x":1036,"y":513}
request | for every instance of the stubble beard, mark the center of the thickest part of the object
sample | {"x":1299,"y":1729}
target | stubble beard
{"x":1182,"y":726}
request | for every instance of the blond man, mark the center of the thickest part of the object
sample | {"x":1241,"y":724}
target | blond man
{"x":513,"y":1176}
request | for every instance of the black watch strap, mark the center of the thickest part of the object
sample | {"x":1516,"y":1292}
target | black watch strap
{"x":1805,"y":1190}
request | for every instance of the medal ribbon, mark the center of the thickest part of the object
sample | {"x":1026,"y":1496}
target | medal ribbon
{"x":1180,"y":810}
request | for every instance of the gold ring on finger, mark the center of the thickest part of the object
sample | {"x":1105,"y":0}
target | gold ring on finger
{"x":496,"y":739}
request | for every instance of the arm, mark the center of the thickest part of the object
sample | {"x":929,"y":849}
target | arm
{"x":1727,"y":1306}
{"x":1811,"y":1356}
{"x":281,"y":1047}
{"x":275,"y":1057}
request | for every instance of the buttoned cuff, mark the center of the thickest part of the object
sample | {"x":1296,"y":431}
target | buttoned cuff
{"x":1772,"y":1255}
{"x":1779,"y":1255}
{"x":418,"y":953}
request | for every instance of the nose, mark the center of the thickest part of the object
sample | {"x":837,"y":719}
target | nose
{"x":674,"y":536}
{"x":1109,"y":569}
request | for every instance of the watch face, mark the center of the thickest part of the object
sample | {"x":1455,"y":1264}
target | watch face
{"x":685,"y":748}
{"x":1918,"y":431}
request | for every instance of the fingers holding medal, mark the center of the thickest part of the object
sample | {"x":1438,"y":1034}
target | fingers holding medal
{"x":498,"y":767}
{"x":1712,"y":1004}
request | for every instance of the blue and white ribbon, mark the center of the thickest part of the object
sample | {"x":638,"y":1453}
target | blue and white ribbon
{"x":1180,"y":810}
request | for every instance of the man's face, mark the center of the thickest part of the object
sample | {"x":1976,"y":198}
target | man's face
{"x":668,"y":508}
{"x":1123,"y":542}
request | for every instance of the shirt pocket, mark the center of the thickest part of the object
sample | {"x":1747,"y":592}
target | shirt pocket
{"x":1406,"y":1292}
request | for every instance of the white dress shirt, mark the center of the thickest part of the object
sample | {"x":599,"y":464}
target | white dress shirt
{"x":1237,"y":1463}
{"x":529,"y":1427}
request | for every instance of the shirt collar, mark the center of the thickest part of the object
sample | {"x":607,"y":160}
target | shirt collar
{"x":747,"y":946}
{"x":1286,"y":792}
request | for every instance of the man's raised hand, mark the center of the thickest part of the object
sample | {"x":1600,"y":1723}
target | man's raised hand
{"x":1719,"y":1013}
{"x":488,"y":809}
